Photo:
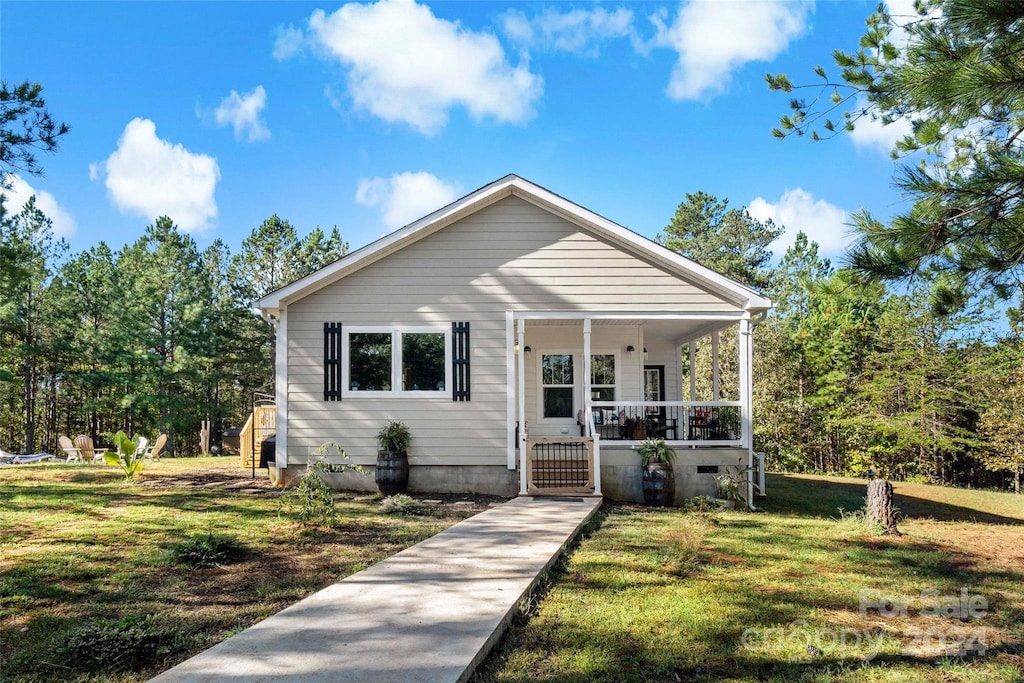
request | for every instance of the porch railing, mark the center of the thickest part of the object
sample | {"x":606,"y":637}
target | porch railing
{"x":697,"y":423}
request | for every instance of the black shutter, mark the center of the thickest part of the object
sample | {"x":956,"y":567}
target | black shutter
{"x":332,"y":361}
{"x":460,"y":361}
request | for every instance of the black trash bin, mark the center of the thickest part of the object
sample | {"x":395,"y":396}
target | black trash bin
{"x":268,"y":452}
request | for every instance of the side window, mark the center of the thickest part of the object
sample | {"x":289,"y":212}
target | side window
{"x":369,"y":361}
{"x":557,"y":380}
{"x":423,"y":361}
{"x":602,"y":377}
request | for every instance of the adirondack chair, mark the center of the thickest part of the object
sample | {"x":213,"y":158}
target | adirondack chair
{"x":67,"y":445}
{"x":153,"y":453}
{"x":88,"y":453}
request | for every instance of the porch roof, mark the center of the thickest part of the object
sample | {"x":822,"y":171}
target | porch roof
{"x":673,"y":328}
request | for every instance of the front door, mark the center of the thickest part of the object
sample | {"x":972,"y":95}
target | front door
{"x":654,"y":388}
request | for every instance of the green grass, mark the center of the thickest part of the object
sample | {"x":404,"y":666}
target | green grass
{"x":661,"y":595}
{"x":89,"y":563}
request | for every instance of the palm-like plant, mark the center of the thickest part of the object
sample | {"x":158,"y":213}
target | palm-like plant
{"x":127,"y":456}
{"x":656,"y":450}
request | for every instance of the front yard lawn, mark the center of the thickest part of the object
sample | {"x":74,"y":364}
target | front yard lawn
{"x":95,"y":582}
{"x":800,"y":592}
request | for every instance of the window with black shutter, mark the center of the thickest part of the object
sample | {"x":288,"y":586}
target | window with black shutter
{"x":460,"y":361}
{"x":332,"y":361}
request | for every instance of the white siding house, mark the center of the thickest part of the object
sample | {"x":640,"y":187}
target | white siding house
{"x":548,"y":289}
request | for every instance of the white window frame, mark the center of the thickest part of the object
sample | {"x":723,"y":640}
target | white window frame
{"x":396,"y":333}
{"x":578,"y":398}
{"x":574,"y":354}
{"x":618,"y":372}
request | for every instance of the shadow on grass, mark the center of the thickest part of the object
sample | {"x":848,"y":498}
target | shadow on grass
{"x":825,"y":499}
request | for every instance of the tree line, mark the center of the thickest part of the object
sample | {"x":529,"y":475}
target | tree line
{"x":154,"y":336}
{"x":852,"y":375}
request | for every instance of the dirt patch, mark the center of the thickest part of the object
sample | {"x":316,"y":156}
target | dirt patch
{"x":206,"y":479}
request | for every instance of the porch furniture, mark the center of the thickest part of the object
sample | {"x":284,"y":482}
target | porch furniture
{"x":665,"y":428}
{"x":700,"y":425}
{"x":67,"y":445}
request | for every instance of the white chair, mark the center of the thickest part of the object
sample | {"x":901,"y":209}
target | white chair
{"x":73,"y":454}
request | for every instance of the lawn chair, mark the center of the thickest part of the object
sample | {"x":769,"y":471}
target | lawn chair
{"x":88,"y":454}
{"x":67,"y":445}
{"x":154,"y":451}
{"x":14,"y":459}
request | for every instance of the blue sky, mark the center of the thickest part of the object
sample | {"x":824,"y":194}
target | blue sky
{"x":369,"y":115}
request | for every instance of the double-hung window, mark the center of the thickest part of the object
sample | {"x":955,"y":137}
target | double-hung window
{"x":556,"y":375}
{"x":405,"y":361}
{"x":602,"y":377}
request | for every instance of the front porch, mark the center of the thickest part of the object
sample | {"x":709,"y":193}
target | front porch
{"x":588,"y":387}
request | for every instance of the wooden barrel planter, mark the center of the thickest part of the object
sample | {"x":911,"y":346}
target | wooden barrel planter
{"x":659,"y":484}
{"x":392,"y":473}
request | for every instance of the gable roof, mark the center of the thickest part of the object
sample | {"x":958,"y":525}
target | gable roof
{"x":514,"y":186}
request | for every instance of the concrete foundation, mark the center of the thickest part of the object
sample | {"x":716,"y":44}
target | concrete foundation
{"x":621,"y":475}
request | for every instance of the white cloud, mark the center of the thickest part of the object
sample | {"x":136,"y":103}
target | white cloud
{"x":798,"y":211}
{"x":577,"y":31}
{"x":407,"y":66}
{"x":288,"y":43}
{"x":63,"y":223}
{"x":152,"y":177}
{"x":713,"y":39}
{"x":405,"y":197}
{"x":242,"y":112}
{"x":871,"y":134}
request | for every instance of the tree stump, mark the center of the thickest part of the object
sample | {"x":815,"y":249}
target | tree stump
{"x":881,"y":510}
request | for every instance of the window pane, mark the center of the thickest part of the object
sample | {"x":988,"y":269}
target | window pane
{"x":602,"y":369}
{"x":423,"y":361}
{"x":369,"y":361}
{"x":556,"y":369}
{"x":602,"y":393}
{"x":558,"y":402}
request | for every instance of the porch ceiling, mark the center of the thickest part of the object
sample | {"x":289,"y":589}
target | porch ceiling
{"x":656,"y":329}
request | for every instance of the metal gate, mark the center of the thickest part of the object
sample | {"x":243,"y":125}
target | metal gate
{"x":559,"y":465}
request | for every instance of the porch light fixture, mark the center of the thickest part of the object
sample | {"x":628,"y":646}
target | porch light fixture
{"x":528,"y":350}
{"x":630,"y":350}
{"x":646,"y":355}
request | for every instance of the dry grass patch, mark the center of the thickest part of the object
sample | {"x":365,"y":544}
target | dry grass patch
{"x":86,"y":559}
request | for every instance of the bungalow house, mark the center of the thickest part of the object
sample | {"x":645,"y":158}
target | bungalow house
{"x":529,"y":344}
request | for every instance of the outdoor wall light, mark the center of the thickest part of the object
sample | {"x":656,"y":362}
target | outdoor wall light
{"x":646,"y":355}
{"x":630,"y":350}
{"x":528,"y":350}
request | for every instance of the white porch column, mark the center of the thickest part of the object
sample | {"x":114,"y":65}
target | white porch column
{"x":715,"y":393}
{"x":511,"y":391}
{"x":587,"y":328}
{"x":746,"y":359}
{"x":522,"y":407}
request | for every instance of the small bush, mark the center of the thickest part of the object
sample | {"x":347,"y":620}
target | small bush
{"x":129,"y":644}
{"x":311,"y":502}
{"x":207,"y":550}
{"x":401,"y":504}
{"x":702,"y":504}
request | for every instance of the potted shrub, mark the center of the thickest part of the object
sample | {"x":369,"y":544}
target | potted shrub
{"x":392,"y":473}
{"x":659,"y":481}
{"x":731,"y":490}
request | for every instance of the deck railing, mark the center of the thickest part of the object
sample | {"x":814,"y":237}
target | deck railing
{"x":697,"y":423}
{"x":261,"y":424}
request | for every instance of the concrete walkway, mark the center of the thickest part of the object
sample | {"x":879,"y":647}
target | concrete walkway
{"x":431,"y":613}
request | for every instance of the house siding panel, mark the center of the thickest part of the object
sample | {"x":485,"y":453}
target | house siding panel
{"x":510,"y":255}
